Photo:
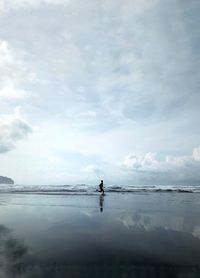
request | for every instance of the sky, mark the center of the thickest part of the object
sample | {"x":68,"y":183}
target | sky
{"x":100,"y":89}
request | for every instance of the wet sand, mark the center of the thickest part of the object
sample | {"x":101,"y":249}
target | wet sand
{"x":118,"y":235}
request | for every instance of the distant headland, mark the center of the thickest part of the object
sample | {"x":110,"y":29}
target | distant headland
{"x":6,"y":180}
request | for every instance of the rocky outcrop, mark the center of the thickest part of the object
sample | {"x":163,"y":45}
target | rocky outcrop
{"x":6,"y":180}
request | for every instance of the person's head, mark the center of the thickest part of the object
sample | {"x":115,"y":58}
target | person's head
{"x":102,"y":181}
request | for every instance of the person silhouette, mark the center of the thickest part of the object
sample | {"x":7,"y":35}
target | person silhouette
{"x":101,"y":200}
{"x":101,"y":187}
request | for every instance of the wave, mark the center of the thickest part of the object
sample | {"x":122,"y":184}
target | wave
{"x":91,"y":189}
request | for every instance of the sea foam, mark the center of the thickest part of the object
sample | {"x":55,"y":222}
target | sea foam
{"x":92,"y":189}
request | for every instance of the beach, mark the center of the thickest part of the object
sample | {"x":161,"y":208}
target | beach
{"x":132,"y":234}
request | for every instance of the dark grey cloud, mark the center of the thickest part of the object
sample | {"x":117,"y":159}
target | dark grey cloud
{"x":13,"y":127}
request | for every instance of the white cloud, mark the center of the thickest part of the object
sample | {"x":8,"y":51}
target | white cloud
{"x":6,"y":5}
{"x":196,"y":153}
{"x":14,"y":73}
{"x":171,"y":168}
{"x":13,"y":127}
{"x":134,"y":161}
{"x":9,"y":92}
{"x":150,"y":163}
{"x":5,"y":53}
{"x":1,"y":6}
{"x":87,"y":114}
{"x":93,"y":169}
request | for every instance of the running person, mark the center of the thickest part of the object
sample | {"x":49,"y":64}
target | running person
{"x":101,"y":187}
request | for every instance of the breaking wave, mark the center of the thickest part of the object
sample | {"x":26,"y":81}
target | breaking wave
{"x":91,"y":189}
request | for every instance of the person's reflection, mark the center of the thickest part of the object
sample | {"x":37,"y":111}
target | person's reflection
{"x":101,"y":200}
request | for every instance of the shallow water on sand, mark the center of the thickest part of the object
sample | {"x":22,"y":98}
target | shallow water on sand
{"x":118,"y":235}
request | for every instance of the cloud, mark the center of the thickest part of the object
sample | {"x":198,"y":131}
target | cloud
{"x":14,"y":72}
{"x":5,"y":54}
{"x":150,"y":162}
{"x":134,"y":161}
{"x":149,"y":168}
{"x":115,"y":70}
{"x":123,"y":61}
{"x":9,"y":93}
{"x":7,"y":5}
{"x":93,"y":169}
{"x":196,"y":153}
{"x":13,"y":127}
